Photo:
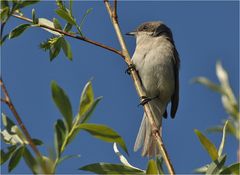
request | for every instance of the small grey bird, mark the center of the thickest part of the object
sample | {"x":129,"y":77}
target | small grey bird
{"x":157,"y":62}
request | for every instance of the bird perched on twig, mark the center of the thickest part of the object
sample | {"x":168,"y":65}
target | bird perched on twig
{"x":157,"y":62}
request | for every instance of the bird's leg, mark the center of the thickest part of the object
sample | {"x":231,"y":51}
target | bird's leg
{"x":130,"y":68}
{"x":145,"y":99}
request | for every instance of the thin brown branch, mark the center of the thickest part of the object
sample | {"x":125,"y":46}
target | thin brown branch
{"x":115,"y":11}
{"x":140,"y":90}
{"x":72,"y":35}
{"x":8,"y":101}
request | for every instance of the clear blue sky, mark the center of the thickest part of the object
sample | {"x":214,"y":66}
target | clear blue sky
{"x":204,"y":32}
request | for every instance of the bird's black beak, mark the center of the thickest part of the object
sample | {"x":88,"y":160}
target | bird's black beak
{"x":131,"y":33}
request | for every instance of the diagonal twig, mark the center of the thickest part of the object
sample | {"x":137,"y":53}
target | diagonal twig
{"x":8,"y":101}
{"x":138,"y":86}
{"x":72,"y":35}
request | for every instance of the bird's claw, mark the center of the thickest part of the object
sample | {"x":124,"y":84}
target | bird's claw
{"x":145,"y":99}
{"x":130,"y":68}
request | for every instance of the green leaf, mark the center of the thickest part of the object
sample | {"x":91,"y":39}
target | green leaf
{"x":6,"y":155}
{"x":70,"y":5}
{"x":67,"y":27}
{"x":201,"y":170}
{"x":30,"y":160}
{"x":87,"y":115}
{"x":28,"y":3}
{"x":47,"y":165}
{"x":7,"y":123}
{"x":60,"y":4}
{"x":59,"y":136}
{"x":4,"y":4}
{"x":209,"y":84}
{"x":3,"y":39}
{"x":55,"y":48}
{"x":152,"y":167}
{"x":57,"y":24}
{"x":4,"y":13}
{"x":159,"y":162}
{"x":65,"y":15}
{"x":62,"y":102}
{"x":68,"y":157}
{"x":84,"y":17}
{"x":87,"y":99}
{"x":232,"y":169}
{"x":37,"y":142}
{"x":67,"y":49}
{"x":15,"y":158}
{"x":104,"y":133}
{"x":216,"y":165}
{"x":107,"y":168}
{"x":18,"y":30}
{"x":208,"y":145}
{"x":220,"y":149}
{"x":34,"y":19}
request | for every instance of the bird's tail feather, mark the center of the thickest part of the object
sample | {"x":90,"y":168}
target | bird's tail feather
{"x":145,"y":137}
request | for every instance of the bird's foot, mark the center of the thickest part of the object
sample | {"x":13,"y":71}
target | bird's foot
{"x":130,"y":68}
{"x":145,"y":99}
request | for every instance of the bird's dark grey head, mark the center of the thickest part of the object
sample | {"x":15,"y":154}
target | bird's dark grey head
{"x":154,"y":28}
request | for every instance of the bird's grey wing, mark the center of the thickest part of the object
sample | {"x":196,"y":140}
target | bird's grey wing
{"x":175,"y":96}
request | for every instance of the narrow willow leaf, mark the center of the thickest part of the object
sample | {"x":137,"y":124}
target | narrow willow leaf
{"x":34,"y":18}
{"x":104,"y":133}
{"x":107,"y":168}
{"x":67,"y":49}
{"x":57,"y":24}
{"x":68,"y":157}
{"x":15,"y":158}
{"x":67,"y":27}
{"x":62,"y":102}
{"x":152,"y":167}
{"x":60,"y":4}
{"x":84,"y":17}
{"x":159,"y":162}
{"x":30,"y":161}
{"x":216,"y":166}
{"x":87,"y":115}
{"x":232,"y":169}
{"x":28,"y":3}
{"x":7,"y":122}
{"x":221,"y":74}
{"x":70,"y":5}
{"x":220,"y":150}
{"x":65,"y":15}
{"x":18,"y":30}
{"x":2,"y":40}
{"x":215,"y":129}
{"x":55,"y":49}
{"x":209,"y":84}
{"x":4,"y":13}
{"x":47,"y":165}
{"x":87,"y":99}
{"x":59,"y":136}
{"x":202,"y":170}
{"x":123,"y":159}
{"x":6,"y":155}
{"x":208,"y":145}
{"x":37,"y":142}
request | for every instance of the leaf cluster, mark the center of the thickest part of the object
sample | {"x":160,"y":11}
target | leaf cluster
{"x":229,"y":102}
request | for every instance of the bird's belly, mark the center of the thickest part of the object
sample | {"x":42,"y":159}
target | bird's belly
{"x":157,"y":76}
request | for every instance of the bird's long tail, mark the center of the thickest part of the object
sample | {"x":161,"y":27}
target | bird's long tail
{"x":145,"y":137}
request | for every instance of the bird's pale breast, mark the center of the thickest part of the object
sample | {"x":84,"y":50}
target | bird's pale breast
{"x":153,"y":60}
